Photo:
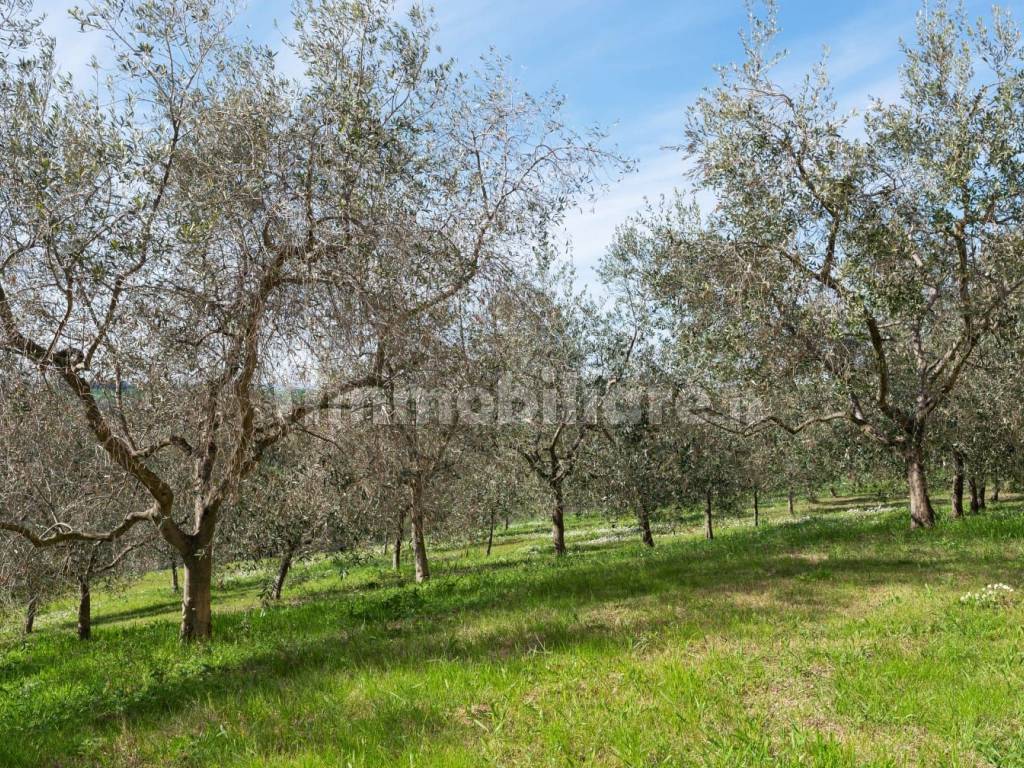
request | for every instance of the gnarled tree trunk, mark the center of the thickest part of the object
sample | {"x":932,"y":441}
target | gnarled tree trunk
{"x":757,"y":510}
{"x":84,"y":609}
{"x":282,"y":573}
{"x":709,"y":531}
{"x":981,"y":493}
{"x":644,"y":520}
{"x":957,"y":497}
{"x":196,"y":601}
{"x":558,"y":520}
{"x":972,"y":483}
{"x":30,"y":615}
{"x":921,"y":513}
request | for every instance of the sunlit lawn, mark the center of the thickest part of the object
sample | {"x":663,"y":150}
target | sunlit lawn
{"x":835,"y":640}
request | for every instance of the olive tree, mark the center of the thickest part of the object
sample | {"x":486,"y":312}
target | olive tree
{"x":52,"y":479}
{"x":232,"y":252}
{"x":303,"y":499}
{"x":553,"y":386}
{"x":861,"y":263}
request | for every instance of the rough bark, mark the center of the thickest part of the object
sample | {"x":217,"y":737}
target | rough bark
{"x":558,"y":520}
{"x":175,"y":587}
{"x":84,"y":610}
{"x":981,"y":493}
{"x":957,"y":497}
{"x":30,"y":615}
{"x":196,"y":601}
{"x":419,"y":550}
{"x":709,"y":531}
{"x":644,"y":519}
{"x":972,"y":483}
{"x":282,"y":573}
{"x":921,"y":513}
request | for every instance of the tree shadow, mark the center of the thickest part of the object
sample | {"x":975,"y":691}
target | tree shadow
{"x":101,"y":618}
{"x":572,"y":603}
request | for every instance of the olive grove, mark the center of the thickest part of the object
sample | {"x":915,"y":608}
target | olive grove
{"x":250,"y":317}
{"x":204,"y":235}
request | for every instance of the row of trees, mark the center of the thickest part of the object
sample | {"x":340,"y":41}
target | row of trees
{"x":266,"y":317}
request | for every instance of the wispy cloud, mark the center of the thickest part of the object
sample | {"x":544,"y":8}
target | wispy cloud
{"x":858,"y":52}
{"x":75,"y":49}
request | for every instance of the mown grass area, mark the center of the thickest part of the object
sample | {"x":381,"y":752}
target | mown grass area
{"x":834,"y":640}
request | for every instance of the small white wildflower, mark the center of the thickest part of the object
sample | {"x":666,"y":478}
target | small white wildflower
{"x":992,"y":596}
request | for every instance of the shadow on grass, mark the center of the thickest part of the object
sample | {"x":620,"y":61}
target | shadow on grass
{"x":568,"y":603}
{"x":143,"y":612}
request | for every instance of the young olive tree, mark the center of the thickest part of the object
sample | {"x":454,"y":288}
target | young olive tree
{"x":430,"y":415}
{"x":638,"y":470}
{"x":304,"y":499}
{"x":56,"y":483}
{"x":980,"y":428}
{"x":27,"y":579}
{"x":488,"y":487}
{"x":554,"y":387}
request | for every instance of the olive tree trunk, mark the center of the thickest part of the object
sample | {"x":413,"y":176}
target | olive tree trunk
{"x":196,"y":599}
{"x":558,"y":520}
{"x":84,"y":609}
{"x":957,"y":497}
{"x":30,"y":615}
{"x":175,"y":587}
{"x":757,"y":510}
{"x":282,"y":573}
{"x":709,"y":531}
{"x":644,"y":520}
{"x":419,"y":542}
{"x":972,"y":483}
{"x":921,"y":513}
{"x":396,"y":552}
{"x":490,"y":534}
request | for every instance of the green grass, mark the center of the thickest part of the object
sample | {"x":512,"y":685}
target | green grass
{"x":838,"y":640}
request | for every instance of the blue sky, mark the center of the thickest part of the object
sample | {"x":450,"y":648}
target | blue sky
{"x":631,"y":66}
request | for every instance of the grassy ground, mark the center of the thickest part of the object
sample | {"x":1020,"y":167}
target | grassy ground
{"x":834,"y":640}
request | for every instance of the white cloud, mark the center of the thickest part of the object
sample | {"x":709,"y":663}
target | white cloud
{"x":862,"y":49}
{"x":74,"y":48}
